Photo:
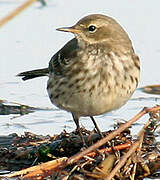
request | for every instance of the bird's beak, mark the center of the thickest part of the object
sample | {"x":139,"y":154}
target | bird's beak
{"x":69,"y":29}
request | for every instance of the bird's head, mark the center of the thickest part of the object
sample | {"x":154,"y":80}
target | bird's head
{"x":97,"y":28}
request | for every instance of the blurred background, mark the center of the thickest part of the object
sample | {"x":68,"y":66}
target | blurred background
{"x":29,"y":41}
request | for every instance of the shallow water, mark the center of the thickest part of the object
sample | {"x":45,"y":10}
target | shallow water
{"x":29,"y":40}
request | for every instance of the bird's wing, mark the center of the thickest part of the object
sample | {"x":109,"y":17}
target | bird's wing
{"x":63,"y":57}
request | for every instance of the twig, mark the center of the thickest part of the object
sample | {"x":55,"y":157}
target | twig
{"x":39,"y":169}
{"x":16,"y":12}
{"x":141,"y":137}
{"x":124,"y":158}
{"x":110,"y":149}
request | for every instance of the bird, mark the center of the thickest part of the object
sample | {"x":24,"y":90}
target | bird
{"x":95,"y":72}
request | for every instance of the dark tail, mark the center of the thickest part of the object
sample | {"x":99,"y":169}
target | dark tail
{"x":34,"y":73}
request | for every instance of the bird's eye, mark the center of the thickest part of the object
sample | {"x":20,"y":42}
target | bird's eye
{"x":92,"y":28}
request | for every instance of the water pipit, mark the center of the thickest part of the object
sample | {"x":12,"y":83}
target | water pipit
{"x":95,"y":72}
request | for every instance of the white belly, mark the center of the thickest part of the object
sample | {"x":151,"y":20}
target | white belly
{"x":83,"y":102}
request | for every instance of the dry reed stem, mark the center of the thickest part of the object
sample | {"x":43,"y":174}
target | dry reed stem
{"x":16,"y":12}
{"x":38,"y":169}
{"x":133,"y":148}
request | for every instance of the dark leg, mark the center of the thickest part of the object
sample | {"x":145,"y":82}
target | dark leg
{"x":76,"y":120}
{"x":96,"y":127}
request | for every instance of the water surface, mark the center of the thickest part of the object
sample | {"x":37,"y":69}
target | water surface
{"x":29,"y":41}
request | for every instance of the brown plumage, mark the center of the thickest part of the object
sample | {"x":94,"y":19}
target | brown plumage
{"x":94,"y":73}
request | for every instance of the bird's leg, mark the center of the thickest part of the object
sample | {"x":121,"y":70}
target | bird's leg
{"x":76,"y":120}
{"x":96,"y":127}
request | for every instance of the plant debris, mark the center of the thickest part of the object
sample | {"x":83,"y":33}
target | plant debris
{"x":151,"y":89}
{"x":7,"y":108}
{"x":62,"y":156}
